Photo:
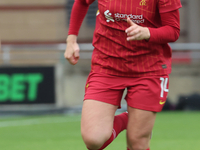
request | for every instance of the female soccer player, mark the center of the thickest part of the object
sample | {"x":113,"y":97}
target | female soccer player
{"x":130,"y":51}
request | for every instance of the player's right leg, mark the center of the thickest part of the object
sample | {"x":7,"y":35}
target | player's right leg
{"x":97,"y":123}
{"x":103,"y":95}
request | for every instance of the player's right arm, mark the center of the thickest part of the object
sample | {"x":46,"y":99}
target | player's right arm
{"x":78,"y":13}
{"x":72,"y":49}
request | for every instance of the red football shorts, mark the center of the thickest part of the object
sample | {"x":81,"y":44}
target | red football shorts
{"x":146,"y":93}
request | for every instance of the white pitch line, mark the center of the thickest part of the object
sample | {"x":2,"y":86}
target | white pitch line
{"x":34,"y":122}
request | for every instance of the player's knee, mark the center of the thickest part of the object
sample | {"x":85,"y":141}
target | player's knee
{"x":94,"y":141}
{"x":92,"y":144}
{"x":137,"y":142}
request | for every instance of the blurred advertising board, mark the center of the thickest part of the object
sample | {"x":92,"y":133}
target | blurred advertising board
{"x":27,"y":85}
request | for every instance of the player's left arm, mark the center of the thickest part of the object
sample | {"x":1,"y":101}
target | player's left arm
{"x":136,"y":32}
{"x":168,"y":32}
{"x":170,"y":29}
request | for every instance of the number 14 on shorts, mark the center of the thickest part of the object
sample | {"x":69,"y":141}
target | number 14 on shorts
{"x":163,"y":86}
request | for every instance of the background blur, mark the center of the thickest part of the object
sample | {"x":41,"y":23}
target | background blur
{"x":35,"y":77}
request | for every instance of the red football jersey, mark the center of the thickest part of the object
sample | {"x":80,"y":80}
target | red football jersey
{"x":114,"y":55}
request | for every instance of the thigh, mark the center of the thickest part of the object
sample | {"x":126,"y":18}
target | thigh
{"x":140,"y":125}
{"x":97,"y":120}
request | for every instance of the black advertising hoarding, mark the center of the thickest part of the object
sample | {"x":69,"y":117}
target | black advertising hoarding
{"x":27,"y":85}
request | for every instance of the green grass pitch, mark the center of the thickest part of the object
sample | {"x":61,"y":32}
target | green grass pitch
{"x":172,"y":131}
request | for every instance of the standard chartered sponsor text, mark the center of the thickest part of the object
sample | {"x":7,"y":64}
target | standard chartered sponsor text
{"x":135,"y":18}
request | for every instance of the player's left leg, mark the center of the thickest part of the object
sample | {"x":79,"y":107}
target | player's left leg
{"x":140,"y":125}
{"x":147,"y":148}
{"x":145,"y":97}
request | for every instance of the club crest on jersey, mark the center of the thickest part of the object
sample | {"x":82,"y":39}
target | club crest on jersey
{"x":143,"y":2}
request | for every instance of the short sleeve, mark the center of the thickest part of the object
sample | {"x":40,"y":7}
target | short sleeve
{"x":168,"y":5}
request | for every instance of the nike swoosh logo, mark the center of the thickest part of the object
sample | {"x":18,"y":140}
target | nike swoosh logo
{"x":162,"y":102}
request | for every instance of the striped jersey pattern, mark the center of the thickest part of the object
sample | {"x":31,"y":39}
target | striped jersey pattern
{"x":114,"y":55}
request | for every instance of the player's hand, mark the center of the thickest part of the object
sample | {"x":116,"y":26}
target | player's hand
{"x":72,"y":50}
{"x":136,"y":32}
